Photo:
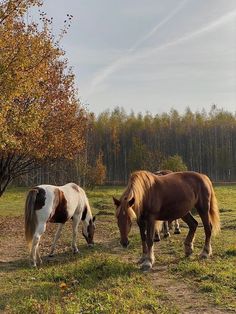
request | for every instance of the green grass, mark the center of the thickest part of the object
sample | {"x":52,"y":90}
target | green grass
{"x":12,"y":202}
{"x":106,"y":280}
{"x":215,"y":277}
{"x":95,"y":284}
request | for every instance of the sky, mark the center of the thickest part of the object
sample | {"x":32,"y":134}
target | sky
{"x":151,"y":55}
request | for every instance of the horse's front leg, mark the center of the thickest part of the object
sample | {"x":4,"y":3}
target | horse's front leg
{"x":56,"y":237}
{"x":150,"y":259}
{"x":39,"y":260}
{"x":75,"y":224}
{"x":142,"y":229}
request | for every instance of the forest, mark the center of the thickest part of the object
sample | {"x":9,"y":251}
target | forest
{"x":118,"y":143}
{"x":205,"y":141}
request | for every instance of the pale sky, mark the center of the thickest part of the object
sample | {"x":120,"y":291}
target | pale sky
{"x":151,"y":55}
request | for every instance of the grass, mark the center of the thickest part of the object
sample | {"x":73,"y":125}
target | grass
{"x":106,"y":279}
{"x":95,"y":284}
{"x":215,"y":277}
{"x":12,"y":202}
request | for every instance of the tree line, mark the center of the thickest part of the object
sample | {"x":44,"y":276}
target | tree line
{"x":117,"y":143}
{"x":206,"y":142}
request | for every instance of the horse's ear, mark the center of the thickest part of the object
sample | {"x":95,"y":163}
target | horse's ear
{"x":116,"y":201}
{"x":131,"y":202}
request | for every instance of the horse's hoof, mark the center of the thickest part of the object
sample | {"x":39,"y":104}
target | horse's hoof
{"x":141,"y":260}
{"x":157,"y":237}
{"x":204,"y":255}
{"x":51,"y":255}
{"x":177,"y":231}
{"x":146,"y":266}
{"x":188,"y":254}
{"x":75,"y":251}
{"x":167,"y":235}
{"x":188,"y":251}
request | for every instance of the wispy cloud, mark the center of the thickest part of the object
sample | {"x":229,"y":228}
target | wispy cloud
{"x":103,"y":74}
{"x":158,"y":26}
{"x":132,"y":55}
{"x":208,"y":28}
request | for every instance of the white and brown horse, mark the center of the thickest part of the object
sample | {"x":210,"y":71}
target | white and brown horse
{"x":149,"y":198}
{"x":56,"y":204}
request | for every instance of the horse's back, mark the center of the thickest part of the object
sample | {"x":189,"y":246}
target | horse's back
{"x":188,"y":177}
{"x":60,"y":202}
{"x":182,"y":191}
{"x":75,"y":196}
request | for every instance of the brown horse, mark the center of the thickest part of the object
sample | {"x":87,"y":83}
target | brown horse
{"x":149,"y":197}
{"x":167,"y":225}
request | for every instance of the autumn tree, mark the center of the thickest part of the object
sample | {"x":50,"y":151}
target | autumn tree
{"x":40,"y":116}
{"x":100,"y":169}
{"x":174,"y":163}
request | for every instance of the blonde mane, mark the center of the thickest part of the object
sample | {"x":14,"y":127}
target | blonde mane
{"x":139,"y":185}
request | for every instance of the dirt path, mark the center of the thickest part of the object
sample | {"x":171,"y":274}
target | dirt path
{"x":13,"y":250}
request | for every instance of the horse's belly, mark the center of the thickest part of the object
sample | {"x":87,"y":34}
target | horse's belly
{"x":59,"y":217}
{"x":172,"y":213}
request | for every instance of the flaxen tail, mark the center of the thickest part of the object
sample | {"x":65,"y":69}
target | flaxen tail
{"x":214,"y":213}
{"x":30,"y":216}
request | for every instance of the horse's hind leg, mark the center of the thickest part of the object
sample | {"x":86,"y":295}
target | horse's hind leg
{"x":35,"y":243}
{"x":207,"y":250}
{"x":192,"y":224}
{"x":157,"y":237}
{"x":56,"y":237}
{"x":166,"y":229}
{"x":177,"y":228}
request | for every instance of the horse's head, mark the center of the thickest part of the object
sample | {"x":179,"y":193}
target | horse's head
{"x":88,"y":230}
{"x":124,"y":215}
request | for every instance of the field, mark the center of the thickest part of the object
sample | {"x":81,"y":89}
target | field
{"x":106,"y":279}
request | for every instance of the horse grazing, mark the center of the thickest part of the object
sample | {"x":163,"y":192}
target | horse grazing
{"x":149,"y":197}
{"x":56,"y":204}
{"x":167,"y":225}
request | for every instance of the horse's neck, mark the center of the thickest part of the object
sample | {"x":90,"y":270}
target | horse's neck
{"x":88,"y":216}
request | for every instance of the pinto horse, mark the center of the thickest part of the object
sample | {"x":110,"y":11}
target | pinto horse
{"x":56,"y":204}
{"x":149,"y":197}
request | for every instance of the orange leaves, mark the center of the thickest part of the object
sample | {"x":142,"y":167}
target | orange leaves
{"x":39,"y":111}
{"x":63,"y":286}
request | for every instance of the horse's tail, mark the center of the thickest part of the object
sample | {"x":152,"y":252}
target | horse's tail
{"x":30,"y":216}
{"x":214,"y":213}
